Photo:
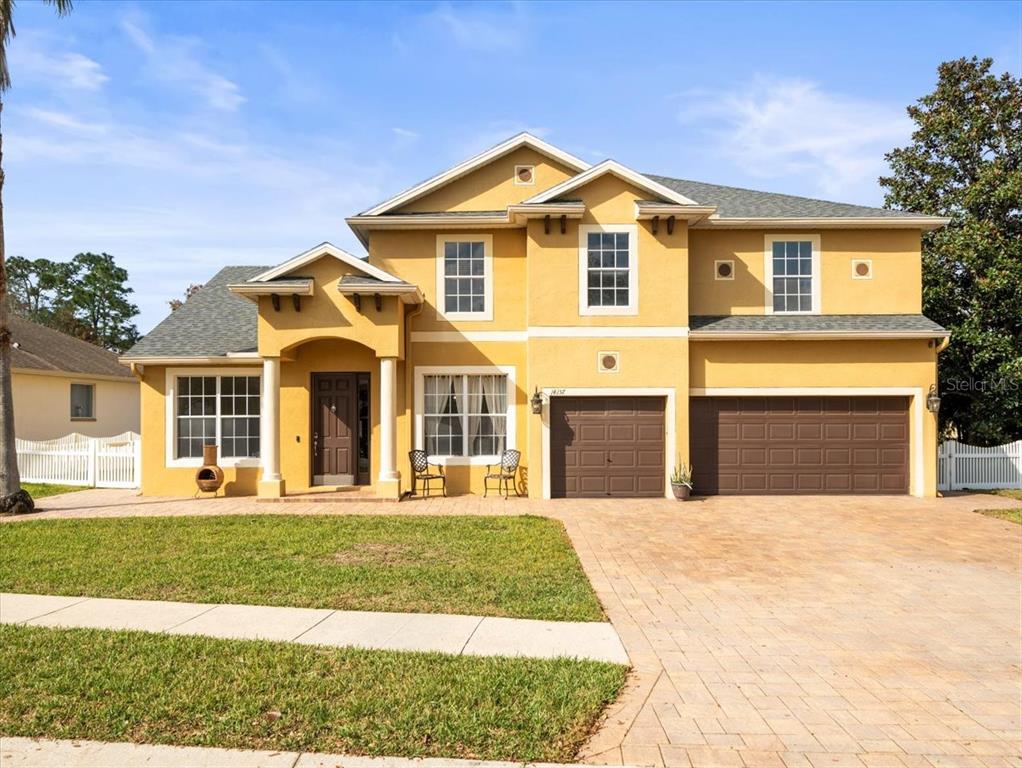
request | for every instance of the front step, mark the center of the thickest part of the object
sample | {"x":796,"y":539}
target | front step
{"x":338,"y":495}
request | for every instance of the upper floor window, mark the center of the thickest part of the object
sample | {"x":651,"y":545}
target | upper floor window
{"x":608,"y":269}
{"x":83,"y":401}
{"x":793,"y":274}
{"x":464,"y":277}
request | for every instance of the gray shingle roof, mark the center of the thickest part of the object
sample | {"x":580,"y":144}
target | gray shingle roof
{"x":44,"y":349}
{"x":709,"y":324}
{"x":211,"y":323}
{"x":738,"y":203}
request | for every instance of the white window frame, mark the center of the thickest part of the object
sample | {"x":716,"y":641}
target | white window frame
{"x":768,"y":272}
{"x":92,"y":398}
{"x":170,"y":455}
{"x":511,"y":432}
{"x":584,"y":310}
{"x":441,"y":298}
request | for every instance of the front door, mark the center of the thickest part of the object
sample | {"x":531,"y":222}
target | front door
{"x":334,"y":428}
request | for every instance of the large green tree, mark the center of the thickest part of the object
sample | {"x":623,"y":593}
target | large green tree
{"x":87,"y":297}
{"x":965,"y":162}
{"x":95,"y":306}
{"x":13,"y":498}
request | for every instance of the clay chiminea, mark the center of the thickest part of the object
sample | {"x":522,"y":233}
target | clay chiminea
{"x":209,"y":476}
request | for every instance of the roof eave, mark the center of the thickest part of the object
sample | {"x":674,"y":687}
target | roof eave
{"x":813,"y":335}
{"x":252,"y":291}
{"x":924,"y":223}
{"x":231,"y":358}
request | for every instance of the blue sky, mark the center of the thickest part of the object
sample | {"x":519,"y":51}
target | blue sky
{"x":182,"y":137}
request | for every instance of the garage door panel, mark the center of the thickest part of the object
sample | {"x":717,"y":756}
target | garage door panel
{"x":617,"y":444}
{"x":800,"y":444}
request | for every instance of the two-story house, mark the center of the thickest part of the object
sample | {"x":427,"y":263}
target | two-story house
{"x":606,"y":323}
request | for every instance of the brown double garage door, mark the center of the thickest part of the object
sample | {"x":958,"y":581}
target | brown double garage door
{"x":615,"y":446}
{"x":788,"y":445}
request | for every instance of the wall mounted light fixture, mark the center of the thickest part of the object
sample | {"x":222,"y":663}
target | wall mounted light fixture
{"x":536,"y":401}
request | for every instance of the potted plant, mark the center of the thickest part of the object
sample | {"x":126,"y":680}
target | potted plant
{"x":681,"y":481}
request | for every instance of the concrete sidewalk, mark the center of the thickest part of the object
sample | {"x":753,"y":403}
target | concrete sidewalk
{"x":470,"y":635}
{"x":52,"y":753}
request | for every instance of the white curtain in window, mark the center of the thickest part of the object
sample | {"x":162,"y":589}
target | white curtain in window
{"x":494,"y":397}
{"x":474,"y":410}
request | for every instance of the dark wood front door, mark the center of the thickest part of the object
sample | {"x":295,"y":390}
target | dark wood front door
{"x":781,"y":445}
{"x":606,"y":446}
{"x":334,"y":428}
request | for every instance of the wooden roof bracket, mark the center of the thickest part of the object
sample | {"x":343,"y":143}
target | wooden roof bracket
{"x":546,"y":224}
{"x":656,"y":224}
{"x":564,"y":224}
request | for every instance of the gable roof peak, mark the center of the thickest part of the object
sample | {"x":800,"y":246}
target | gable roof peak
{"x":523,"y":139}
{"x":620,"y":170}
{"x":318,"y":252}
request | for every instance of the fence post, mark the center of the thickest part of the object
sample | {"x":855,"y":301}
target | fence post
{"x":137,"y":463}
{"x":91,"y":472}
{"x":952,"y":474}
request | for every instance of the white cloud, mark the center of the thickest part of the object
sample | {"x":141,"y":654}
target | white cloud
{"x":33,"y":58}
{"x":482,"y":28}
{"x":777,"y":128}
{"x":404,"y":133}
{"x":176,"y":60}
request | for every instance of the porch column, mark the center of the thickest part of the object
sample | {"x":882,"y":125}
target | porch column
{"x":390,"y":478}
{"x":270,"y":484}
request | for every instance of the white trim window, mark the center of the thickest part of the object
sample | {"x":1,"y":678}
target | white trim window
{"x":792,"y":269}
{"x":464,"y":277}
{"x":83,"y":402}
{"x":465,"y":415}
{"x":211,"y":407}
{"x":608,"y":269}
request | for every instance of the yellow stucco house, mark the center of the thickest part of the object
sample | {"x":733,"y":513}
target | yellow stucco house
{"x":606,"y":323}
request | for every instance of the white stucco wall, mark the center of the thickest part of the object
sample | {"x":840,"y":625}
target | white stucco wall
{"x":42,"y":406}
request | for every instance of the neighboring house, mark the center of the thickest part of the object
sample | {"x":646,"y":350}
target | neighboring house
{"x":775,"y":342}
{"x":64,"y":385}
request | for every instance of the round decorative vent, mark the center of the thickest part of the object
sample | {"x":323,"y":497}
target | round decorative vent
{"x":609,"y":361}
{"x":862,"y":269}
{"x":524,"y":175}
{"x":724,"y":270}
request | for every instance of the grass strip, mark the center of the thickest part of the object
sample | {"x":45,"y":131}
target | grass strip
{"x":151,"y":688}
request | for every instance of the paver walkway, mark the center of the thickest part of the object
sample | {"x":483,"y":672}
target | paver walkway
{"x":52,"y":753}
{"x":469,"y":635}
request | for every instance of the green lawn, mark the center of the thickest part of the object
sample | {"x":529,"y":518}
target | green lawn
{"x":1011,"y":515}
{"x":496,"y":566}
{"x":151,"y":688}
{"x":42,"y":490}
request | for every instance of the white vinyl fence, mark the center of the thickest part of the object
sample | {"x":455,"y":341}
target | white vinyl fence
{"x":99,"y":462}
{"x":968,"y":466}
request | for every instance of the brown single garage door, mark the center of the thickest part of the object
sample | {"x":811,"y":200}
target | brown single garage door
{"x":606,"y":446}
{"x":799,"y":444}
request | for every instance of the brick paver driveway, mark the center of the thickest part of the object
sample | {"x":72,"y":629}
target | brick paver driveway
{"x":809,"y":631}
{"x":850,"y":631}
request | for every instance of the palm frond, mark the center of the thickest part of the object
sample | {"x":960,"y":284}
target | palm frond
{"x":7,"y":32}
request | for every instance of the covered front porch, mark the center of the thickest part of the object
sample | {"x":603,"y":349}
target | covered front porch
{"x":331,"y":339}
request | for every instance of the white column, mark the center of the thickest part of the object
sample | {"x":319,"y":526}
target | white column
{"x":388,"y":418}
{"x":269,"y":426}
